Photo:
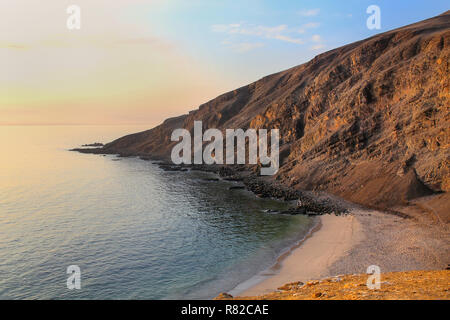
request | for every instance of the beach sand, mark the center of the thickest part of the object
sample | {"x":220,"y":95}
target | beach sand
{"x":348,"y":244}
{"x":332,"y":239}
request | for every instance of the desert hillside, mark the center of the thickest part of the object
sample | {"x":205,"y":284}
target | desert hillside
{"x":368,"y":121}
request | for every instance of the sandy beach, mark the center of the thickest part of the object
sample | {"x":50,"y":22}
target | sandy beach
{"x":334,"y":237}
{"x":348,"y":244}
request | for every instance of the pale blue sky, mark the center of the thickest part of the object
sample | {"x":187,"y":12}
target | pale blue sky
{"x":273,"y":35}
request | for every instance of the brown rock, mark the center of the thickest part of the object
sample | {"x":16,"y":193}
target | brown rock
{"x":317,"y":294}
{"x":223,"y":296}
{"x":349,"y":119}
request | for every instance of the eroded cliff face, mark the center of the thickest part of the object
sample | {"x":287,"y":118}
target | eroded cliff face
{"x":368,"y":121}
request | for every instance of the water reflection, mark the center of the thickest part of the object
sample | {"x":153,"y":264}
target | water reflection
{"x":135,"y":230}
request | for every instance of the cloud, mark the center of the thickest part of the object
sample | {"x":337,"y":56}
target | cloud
{"x":318,"y":42}
{"x":306,"y":26}
{"x":289,"y":39}
{"x":318,"y":46}
{"x":227,"y":28}
{"x":280,"y":32}
{"x":316,"y":38}
{"x":245,"y":46}
{"x":309,"y":13}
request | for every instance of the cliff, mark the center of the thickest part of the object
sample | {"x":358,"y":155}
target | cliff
{"x":368,"y":121}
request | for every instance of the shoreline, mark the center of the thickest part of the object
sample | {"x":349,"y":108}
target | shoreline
{"x":265,"y":274}
{"x":399,"y":238}
{"x":328,"y":241}
{"x":346,"y":245}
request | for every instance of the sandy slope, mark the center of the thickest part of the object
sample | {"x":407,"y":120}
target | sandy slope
{"x":349,"y":244}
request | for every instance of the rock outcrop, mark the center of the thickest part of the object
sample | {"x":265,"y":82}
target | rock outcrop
{"x":368,"y":121}
{"x":407,"y":285}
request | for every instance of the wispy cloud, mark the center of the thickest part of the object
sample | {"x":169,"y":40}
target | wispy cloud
{"x":243,"y":47}
{"x":316,"y":38}
{"x":280,"y":32}
{"x":318,"y":46}
{"x":318,"y":42}
{"x":306,"y":26}
{"x":309,"y":12}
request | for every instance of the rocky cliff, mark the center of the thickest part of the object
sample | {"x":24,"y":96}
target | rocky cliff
{"x":368,"y":121}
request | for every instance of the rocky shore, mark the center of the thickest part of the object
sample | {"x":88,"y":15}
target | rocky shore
{"x":411,"y":237}
{"x":407,"y":285}
{"x":366,"y":122}
{"x":248,"y":175}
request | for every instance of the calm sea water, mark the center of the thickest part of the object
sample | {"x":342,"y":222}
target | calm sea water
{"x":136,"y":231}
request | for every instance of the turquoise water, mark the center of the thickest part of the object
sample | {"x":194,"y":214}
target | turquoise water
{"x":135,"y":231}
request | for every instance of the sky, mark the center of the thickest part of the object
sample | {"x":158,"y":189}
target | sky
{"x":142,"y":61}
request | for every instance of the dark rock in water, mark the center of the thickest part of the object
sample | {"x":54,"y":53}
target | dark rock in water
{"x":233,"y":179}
{"x":294,"y":211}
{"x":166,"y":166}
{"x":267,"y":190}
{"x":299,"y":210}
{"x":211,"y":179}
{"x":270,"y":211}
{"x":95,"y":144}
{"x":204,"y":167}
{"x":92,"y":150}
{"x":126,"y":155}
{"x":226,"y":171}
{"x":236,"y":188}
{"x":263,"y":195}
{"x":116,"y":159}
{"x":172,"y":168}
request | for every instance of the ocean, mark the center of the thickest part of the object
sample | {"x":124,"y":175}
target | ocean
{"x":134,"y":230}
